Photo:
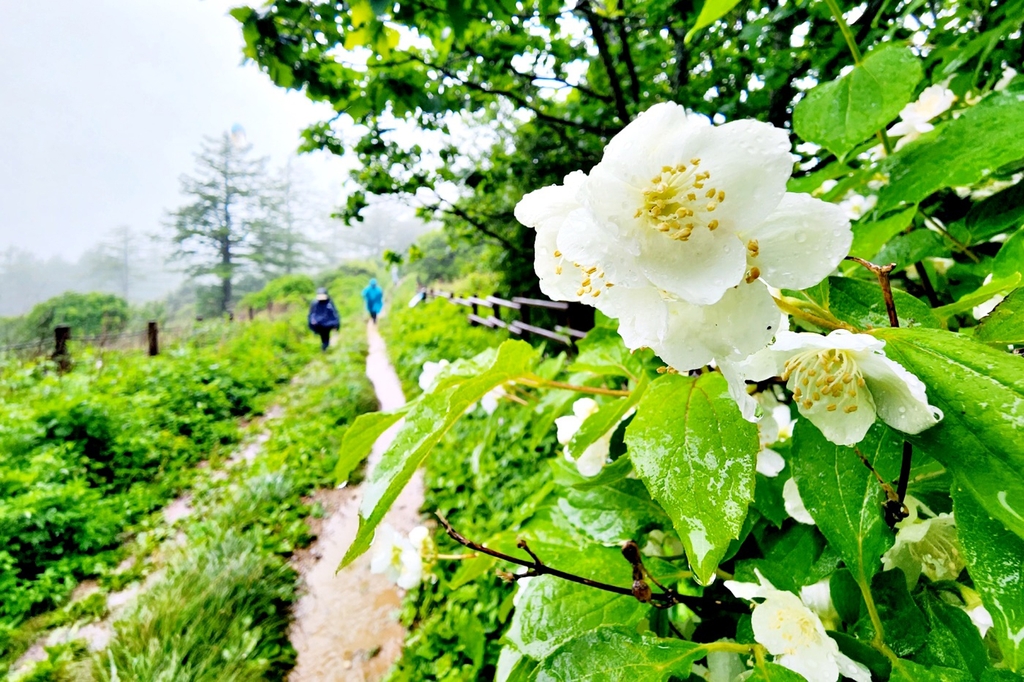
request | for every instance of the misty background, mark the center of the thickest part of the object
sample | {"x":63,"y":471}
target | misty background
{"x":105,"y":106}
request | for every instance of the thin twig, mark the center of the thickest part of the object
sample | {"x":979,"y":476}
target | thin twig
{"x":882,"y":273}
{"x":601,"y":42}
{"x":536,"y":567}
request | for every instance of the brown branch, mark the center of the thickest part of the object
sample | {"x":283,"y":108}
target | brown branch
{"x":926,"y":284}
{"x":601,"y":41}
{"x":882,"y":273}
{"x":893,"y":508}
{"x":536,"y":567}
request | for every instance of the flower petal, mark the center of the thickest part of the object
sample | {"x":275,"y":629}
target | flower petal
{"x":852,"y":669}
{"x":801,"y":242}
{"x":770,"y":463}
{"x":698,"y":270}
{"x":794,"y":505}
{"x":899,"y":396}
{"x":847,"y":423}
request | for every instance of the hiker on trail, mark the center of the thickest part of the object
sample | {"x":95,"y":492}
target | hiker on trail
{"x":323,"y":317}
{"x":373,"y":295}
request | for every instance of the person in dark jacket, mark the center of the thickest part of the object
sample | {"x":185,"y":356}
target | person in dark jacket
{"x":323,"y":317}
{"x":373,"y":296}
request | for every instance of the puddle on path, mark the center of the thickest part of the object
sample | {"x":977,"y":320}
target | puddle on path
{"x":346,"y":624}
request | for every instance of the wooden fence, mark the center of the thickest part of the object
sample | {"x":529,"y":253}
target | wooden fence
{"x":514,"y":314}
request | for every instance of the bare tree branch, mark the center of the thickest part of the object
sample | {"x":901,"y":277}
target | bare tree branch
{"x":601,"y":41}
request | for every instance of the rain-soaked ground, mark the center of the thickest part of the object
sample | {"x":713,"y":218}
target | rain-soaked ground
{"x":345,"y":623}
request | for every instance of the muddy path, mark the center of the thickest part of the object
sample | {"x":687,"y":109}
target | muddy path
{"x":346,"y":624}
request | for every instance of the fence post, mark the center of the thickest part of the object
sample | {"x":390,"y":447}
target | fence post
{"x":231,"y":316}
{"x":154,"y":338}
{"x":270,"y":308}
{"x":476,"y":310}
{"x":60,"y":348}
{"x":251,"y":313}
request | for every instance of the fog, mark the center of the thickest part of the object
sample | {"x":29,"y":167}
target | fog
{"x":102,"y":106}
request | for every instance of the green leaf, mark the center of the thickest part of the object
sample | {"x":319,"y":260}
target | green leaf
{"x":616,"y":654}
{"x":908,"y":671}
{"x":604,"y":420}
{"x":1005,"y":324}
{"x":841,"y":114}
{"x":952,"y":641}
{"x":861,"y":304}
{"x":1010,"y":259}
{"x":981,"y":393}
{"x":870,"y":237}
{"x":427,"y":420}
{"x":692,"y":448}
{"x":906,"y":249}
{"x":603,"y":352}
{"x":1002,"y":212}
{"x":960,"y":152}
{"x":906,"y":628}
{"x":979,"y":296}
{"x":772,"y":672}
{"x":843,"y":496}
{"x":552,"y":611}
{"x":613,"y":513}
{"x":712,"y":11}
{"x":359,"y":440}
{"x":994,"y":562}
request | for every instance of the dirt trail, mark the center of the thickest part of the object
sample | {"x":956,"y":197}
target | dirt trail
{"x":345,"y":624}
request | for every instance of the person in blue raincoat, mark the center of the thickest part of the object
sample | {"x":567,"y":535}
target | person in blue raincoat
{"x":323,"y":317}
{"x":373,"y":296}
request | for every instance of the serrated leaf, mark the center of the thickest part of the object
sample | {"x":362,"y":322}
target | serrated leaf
{"x":908,"y":671}
{"x":981,"y":393}
{"x":841,"y":114}
{"x":1005,"y":324}
{"x":696,"y":454}
{"x":952,"y":640}
{"x":905,"y":627}
{"x":613,"y":513}
{"x":359,"y":440}
{"x":843,"y":496}
{"x":960,"y":153}
{"x":1010,"y":259}
{"x":426,"y":421}
{"x":551,"y":611}
{"x":994,"y":561}
{"x":616,"y":654}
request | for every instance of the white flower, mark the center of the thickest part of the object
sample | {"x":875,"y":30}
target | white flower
{"x":1004,"y":81}
{"x":841,"y":381}
{"x":929,"y":546}
{"x":521,"y":585}
{"x":915,"y":117}
{"x":775,"y":424}
{"x":396,"y":557}
{"x":420,"y":538}
{"x":490,"y":400}
{"x":794,"y":504}
{"x":661,"y":544}
{"x":593,"y":459}
{"x":430,"y":373}
{"x":981,"y":618}
{"x":794,"y":634}
{"x":818,"y":598}
{"x":855,"y":206}
{"x":673,"y":227}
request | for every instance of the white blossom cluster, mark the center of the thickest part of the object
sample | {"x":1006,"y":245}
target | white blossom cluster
{"x":680,"y":233}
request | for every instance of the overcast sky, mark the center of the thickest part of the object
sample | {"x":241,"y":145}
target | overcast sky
{"x":104,"y":102}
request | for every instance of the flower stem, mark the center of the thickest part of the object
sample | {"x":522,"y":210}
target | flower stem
{"x":882,"y":273}
{"x":816,"y":320}
{"x":456,"y":557}
{"x":876,"y":621}
{"x":844,"y":28}
{"x":729,"y":647}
